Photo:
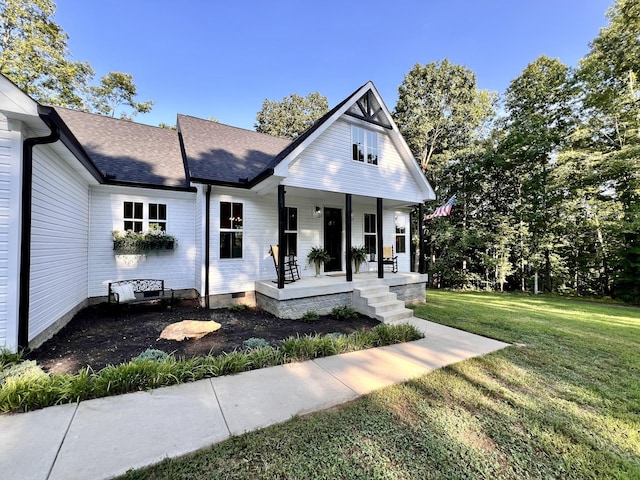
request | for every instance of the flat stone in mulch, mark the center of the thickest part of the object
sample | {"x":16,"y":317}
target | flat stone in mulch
{"x":187,"y":329}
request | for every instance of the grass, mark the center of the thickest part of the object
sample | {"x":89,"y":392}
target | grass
{"x":563,"y":402}
{"x":24,"y":386}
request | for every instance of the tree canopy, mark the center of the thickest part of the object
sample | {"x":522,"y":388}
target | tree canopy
{"x":440,"y":108}
{"x":34,"y":54}
{"x":553,"y":186}
{"x":115,"y":90}
{"x":291,"y":116}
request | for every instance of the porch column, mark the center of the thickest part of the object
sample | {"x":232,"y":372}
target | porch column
{"x":380,"y":239}
{"x":347,"y":236}
{"x":421,"y":250}
{"x":282,"y":218}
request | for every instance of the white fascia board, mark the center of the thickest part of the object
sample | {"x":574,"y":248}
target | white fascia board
{"x":15,"y":103}
{"x":267,"y":185}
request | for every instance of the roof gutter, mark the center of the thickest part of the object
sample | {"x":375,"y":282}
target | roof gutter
{"x":25,"y":225}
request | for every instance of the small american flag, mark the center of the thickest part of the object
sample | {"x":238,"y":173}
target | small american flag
{"x":442,"y":211}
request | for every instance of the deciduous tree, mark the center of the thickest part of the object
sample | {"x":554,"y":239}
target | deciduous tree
{"x":539,"y":106}
{"x":35,"y":56}
{"x":117,"y":90}
{"x":291,"y":116}
{"x":440,"y":109}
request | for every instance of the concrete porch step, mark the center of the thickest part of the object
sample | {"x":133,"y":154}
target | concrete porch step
{"x":394,"y":315}
{"x":386,"y":306}
{"x":367,"y":290}
{"x":378,"y":302}
{"x":381,"y":298}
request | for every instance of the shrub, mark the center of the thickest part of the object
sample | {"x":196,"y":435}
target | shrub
{"x":344,"y":312}
{"x":27,"y":370}
{"x":310,"y":316}
{"x":237,"y":307}
{"x":262,"y":357}
{"x":151,"y":354}
{"x":253,"y":342}
{"x":7,"y":358}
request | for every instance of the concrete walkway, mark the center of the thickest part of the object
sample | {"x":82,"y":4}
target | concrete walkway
{"x":103,"y":438}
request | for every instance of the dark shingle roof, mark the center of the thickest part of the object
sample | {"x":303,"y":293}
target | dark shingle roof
{"x":224,"y":154}
{"x":213,"y":152}
{"x":132,"y":152}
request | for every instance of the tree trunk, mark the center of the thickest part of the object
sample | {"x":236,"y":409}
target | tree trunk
{"x":547,"y":270}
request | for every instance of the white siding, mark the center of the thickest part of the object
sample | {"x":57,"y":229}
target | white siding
{"x":199,"y":222}
{"x":260,"y":230}
{"x":326,"y":165}
{"x":60,"y":228}
{"x":176,"y":267}
{"x":10,"y":166}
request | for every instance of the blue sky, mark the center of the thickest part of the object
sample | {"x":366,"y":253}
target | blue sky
{"x":222,"y":59}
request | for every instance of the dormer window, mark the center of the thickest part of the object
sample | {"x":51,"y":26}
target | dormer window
{"x":364,"y":145}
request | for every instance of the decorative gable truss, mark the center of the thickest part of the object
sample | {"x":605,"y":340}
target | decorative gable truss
{"x":368,"y":108}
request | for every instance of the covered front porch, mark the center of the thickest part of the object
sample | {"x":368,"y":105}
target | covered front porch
{"x":387,"y":296}
{"x":340,"y":221}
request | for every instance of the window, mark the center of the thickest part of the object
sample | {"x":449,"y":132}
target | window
{"x":370,"y":237}
{"x":364,"y":144}
{"x":230,"y":230}
{"x":158,"y":216}
{"x":401,"y":232}
{"x":134,"y":219}
{"x":133,"y":216}
{"x":291,"y":232}
{"x":372,"y":147}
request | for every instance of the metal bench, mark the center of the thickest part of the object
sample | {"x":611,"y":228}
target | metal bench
{"x":143,"y":290}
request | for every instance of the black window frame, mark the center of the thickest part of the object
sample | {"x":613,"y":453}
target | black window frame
{"x":231,"y":230}
{"x":158,"y":216}
{"x":370,"y":232}
{"x":401,"y":239}
{"x":291,"y":232}
{"x":133,"y":216}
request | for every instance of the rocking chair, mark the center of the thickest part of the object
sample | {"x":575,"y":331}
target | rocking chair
{"x":290,"y":265}
{"x":389,"y":259}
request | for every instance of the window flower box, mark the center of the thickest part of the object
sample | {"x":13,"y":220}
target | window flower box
{"x":137,"y":242}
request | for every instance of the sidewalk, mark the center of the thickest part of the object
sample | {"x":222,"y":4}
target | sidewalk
{"x":103,"y":438}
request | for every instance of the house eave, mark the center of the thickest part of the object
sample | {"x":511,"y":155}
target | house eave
{"x":175,"y":188}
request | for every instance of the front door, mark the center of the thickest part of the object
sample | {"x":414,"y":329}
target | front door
{"x":333,"y":238}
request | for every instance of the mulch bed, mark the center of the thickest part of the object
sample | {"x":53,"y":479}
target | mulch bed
{"x":97,"y":337}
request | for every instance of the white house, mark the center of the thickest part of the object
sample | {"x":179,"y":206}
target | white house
{"x":69,"y":179}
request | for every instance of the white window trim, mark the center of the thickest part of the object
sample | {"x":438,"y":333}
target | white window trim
{"x":365,"y":144}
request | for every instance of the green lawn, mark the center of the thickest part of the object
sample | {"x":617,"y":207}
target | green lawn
{"x":563,"y":402}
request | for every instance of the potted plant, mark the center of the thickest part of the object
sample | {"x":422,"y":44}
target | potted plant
{"x":359,"y":256}
{"x":317,"y":256}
